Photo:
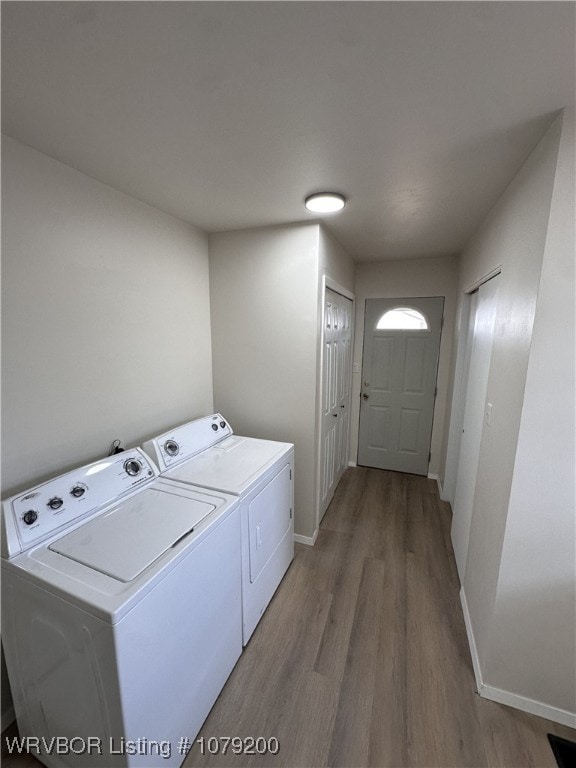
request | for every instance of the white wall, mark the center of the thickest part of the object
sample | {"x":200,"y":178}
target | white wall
{"x":334,"y":261}
{"x":513,"y":235}
{"x":505,"y":584}
{"x":399,"y":279}
{"x":266,"y":319}
{"x":105,"y":321}
{"x":533,"y":634}
{"x":106,"y":325}
{"x":264,"y":294}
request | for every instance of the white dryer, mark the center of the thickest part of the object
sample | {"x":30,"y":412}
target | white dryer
{"x":206,"y":453}
{"x":121,"y":612}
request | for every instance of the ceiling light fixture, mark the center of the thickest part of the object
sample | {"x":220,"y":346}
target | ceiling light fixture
{"x":325,"y":202}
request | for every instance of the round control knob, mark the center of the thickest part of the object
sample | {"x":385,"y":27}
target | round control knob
{"x":222,"y":424}
{"x":215,"y":427}
{"x":132,"y":467}
{"x":30,"y":517}
{"x":171,"y":447}
{"x":55,"y":502}
{"x":78,"y":491}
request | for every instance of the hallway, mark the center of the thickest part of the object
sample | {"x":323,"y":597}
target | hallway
{"x":362,"y":657}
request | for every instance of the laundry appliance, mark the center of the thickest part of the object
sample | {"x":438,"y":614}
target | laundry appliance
{"x":207,"y":453}
{"x":121,"y":612}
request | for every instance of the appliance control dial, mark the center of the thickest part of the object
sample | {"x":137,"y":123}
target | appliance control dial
{"x":215,"y":427}
{"x":132,"y":467}
{"x":171,"y":447}
{"x":30,"y":517}
{"x":55,"y":502}
{"x":222,"y":424}
{"x":78,"y":491}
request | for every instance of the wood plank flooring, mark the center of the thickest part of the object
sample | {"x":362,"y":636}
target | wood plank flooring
{"x":361,"y":658}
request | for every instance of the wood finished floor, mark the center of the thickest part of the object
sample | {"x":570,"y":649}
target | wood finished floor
{"x":361,"y":658}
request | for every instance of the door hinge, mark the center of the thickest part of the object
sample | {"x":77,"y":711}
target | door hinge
{"x":429,"y":456}
{"x":290,"y":474}
{"x":442,"y":322}
{"x":290,"y":513}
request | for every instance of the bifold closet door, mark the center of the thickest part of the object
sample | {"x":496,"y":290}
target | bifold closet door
{"x":481,"y":334}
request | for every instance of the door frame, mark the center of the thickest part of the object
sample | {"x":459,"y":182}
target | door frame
{"x":460,"y":386}
{"x":327,"y":283}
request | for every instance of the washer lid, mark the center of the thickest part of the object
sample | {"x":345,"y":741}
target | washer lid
{"x":126,"y":540}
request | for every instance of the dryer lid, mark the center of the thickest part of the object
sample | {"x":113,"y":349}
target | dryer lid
{"x":233,"y":465}
{"x":123,"y":542}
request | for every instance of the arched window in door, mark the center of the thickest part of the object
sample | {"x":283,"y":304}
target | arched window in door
{"x":402,"y":319}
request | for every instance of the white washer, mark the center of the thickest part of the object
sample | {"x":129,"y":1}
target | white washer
{"x":121,"y":612}
{"x":206,"y":453}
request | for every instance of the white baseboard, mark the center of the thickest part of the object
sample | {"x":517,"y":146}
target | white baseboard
{"x":443,"y":495}
{"x":352,"y":464}
{"x":8,"y":718}
{"x":440,"y":489}
{"x":492,"y":693}
{"x":308,"y":540}
{"x":471,"y":641}
{"x":434,"y":476}
{"x":529,"y":705}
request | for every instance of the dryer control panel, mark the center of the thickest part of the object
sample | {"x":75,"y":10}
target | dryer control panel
{"x":186,"y":441}
{"x":32,"y":516}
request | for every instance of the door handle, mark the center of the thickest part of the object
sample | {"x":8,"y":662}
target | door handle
{"x":365,"y":396}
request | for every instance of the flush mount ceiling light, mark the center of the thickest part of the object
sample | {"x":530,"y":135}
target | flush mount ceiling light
{"x":325,"y":202}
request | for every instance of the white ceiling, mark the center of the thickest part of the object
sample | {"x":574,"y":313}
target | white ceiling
{"x":228,"y":114}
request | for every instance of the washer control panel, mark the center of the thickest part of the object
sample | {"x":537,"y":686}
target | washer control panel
{"x":33,"y":515}
{"x":186,"y":441}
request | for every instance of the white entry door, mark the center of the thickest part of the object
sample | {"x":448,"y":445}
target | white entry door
{"x":478,"y":353}
{"x":336,"y":369}
{"x":399,"y":367}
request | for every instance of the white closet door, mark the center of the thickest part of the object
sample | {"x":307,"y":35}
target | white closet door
{"x":336,"y":369}
{"x":481,"y":334}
